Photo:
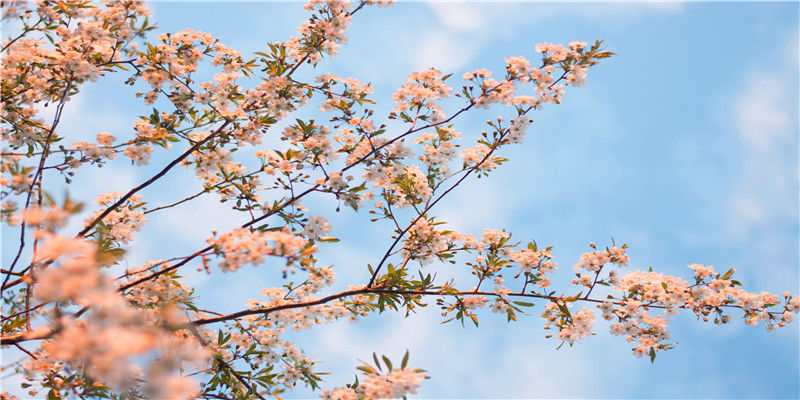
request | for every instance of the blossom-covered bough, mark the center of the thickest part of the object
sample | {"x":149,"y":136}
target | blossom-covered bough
{"x":88,"y":331}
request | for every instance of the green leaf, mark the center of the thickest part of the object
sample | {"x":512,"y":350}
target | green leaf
{"x":377,"y":363}
{"x":727,"y":274}
{"x":366,"y":369}
{"x":405,"y":360}
{"x":652,"y":355}
{"x":564,"y":310}
{"x":510,"y":315}
{"x":388,"y":363}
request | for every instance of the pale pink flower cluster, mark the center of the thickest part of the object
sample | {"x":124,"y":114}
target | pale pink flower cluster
{"x":648,"y":288}
{"x":577,"y":76}
{"x":273,"y":161}
{"x":398,"y":383}
{"x":381,"y":3}
{"x":314,"y":141}
{"x":412,"y":187}
{"x":557,"y":52}
{"x":494,"y":237}
{"x":493,"y":91}
{"x":277,"y":96}
{"x":245,"y":246}
{"x":76,"y":274}
{"x":536,"y":263}
{"x":97,"y":36}
{"x":316,"y":226}
{"x":518,"y":67}
{"x":474,"y":302}
{"x":420,"y":92}
{"x":517,"y":129}
{"x":160,"y":298}
{"x":14,"y":9}
{"x":77,"y":49}
{"x":395,"y":384}
{"x":178,"y":55}
{"x":595,"y":260}
{"x":274,"y":350}
{"x":438,"y":147}
{"x":635,"y":323}
{"x":122,"y":222}
{"x":702,"y":271}
{"x":654,"y":286}
{"x":321,"y":277}
{"x":500,"y":306}
{"x":266,"y":333}
{"x":329,"y":28}
{"x":338,"y":393}
{"x":208,"y":165}
{"x":519,"y":70}
{"x":295,"y":318}
{"x":504,"y":92}
{"x":353,"y":90}
{"x":45,"y":218}
{"x":95,"y":153}
{"x":477,"y":157}
{"x":425,"y":242}
{"x":502,"y":291}
{"x":109,"y":343}
{"x":571,"y":326}
{"x":138,"y":153}
{"x":21,"y":179}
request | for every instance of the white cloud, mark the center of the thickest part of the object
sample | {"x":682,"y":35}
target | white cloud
{"x":763,"y":112}
{"x":793,"y":51}
{"x":664,"y":6}
{"x":494,"y":18}
{"x":476,"y":205}
{"x":197,"y":218}
{"x":445,"y":52}
{"x":460,"y":16}
{"x":767,"y":178}
{"x":763,"y":205}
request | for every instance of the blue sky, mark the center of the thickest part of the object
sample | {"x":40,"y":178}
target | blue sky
{"x":684,"y":146}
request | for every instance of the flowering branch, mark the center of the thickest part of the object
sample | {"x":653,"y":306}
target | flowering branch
{"x":78,"y":314}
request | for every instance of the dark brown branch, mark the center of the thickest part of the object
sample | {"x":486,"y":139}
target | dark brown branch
{"x":155,"y":177}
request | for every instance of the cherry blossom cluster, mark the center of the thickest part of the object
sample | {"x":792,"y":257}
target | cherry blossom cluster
{"x":165,"y":299}
{"x":243,"y":246}
{"x":711,"y":293}
{"x":438,"y":147}
{"x":535,"y":264}
{"x":107,"y":344}
{"x":395,"y":383}
{"x":86,"y":42}
{"x":328,"y":24}
{"x":420,"y":94}
{"x":571,"y":326}
{"x":44,"y":218}
{"x":630,"y":311}
{"x":120,"y":223}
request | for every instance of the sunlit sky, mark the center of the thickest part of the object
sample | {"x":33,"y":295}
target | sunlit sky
{"x":684,"y":146}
